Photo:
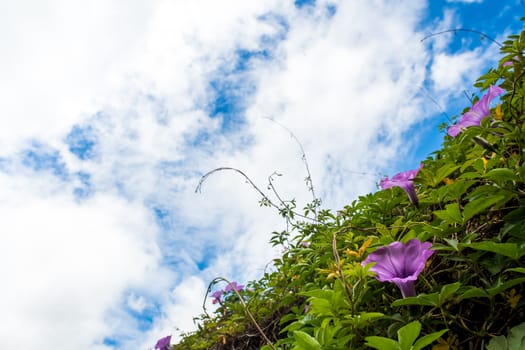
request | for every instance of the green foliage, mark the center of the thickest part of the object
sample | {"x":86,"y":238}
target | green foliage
{"x":406,"y":336}
{"x":433,"y":299}
{"x":514,"y":341}
{"x":471,"y":207}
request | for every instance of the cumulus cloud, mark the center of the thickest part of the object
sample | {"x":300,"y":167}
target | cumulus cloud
{"x":60,"y":59}
{"x":452,"y":70}
{"x":186,"y":304}
{"x":112,"y":114}
{"x":64,"y":264}
{"x":355,"y":96}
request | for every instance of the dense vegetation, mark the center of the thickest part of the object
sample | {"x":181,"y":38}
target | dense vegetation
{"x":466,"y":202}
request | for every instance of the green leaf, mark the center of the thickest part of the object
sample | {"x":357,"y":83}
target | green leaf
{"x":514,"y":341}
{"x":321,"y":306}
{"x":305,"y":341}
{"x":444,"y":171}
{"x":469,"y":175}
{"x":451,"y":214}
{"x":428,"y":339}
{"x":342,"y":342}
{"x":407,"y":334}
{"x":396,"y":226}
{"x":421,"y":299}
{"x":319,"y":293}
{"x":364,"y":317}
{"x":382,"y":343}
{"x":516,"y":337}
{"x":458,"y":188}
{"x":293,"y":326}
{"x":287,"y":318}
{"x":453,"y":243}
{"x":478,"y":205}
{"x":326,"y":332}
{"x":516,"y":216}
{"x":501,"y":175}
{"x":504,"y":286}
{"x":383,"y":230}
{"x":474,"y":292}
{"x":447,"y":291}
{"x":510,"y":250}
{"x":498,"y":343}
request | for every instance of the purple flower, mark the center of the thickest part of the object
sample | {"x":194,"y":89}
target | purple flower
{"x":480,"y":110}
{"x":405,"y":181}
{"x":163,"y":343}
{"x":400,"y":263}
{"x":232,"y":285}
{"x":217,"y":296}
{"x":305,"y":244}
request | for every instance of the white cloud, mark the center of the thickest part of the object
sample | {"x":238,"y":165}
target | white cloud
{"x":346,"y":83}
{"x":60,"y":59}
{"x":64,"y":264}
{"x":453,"y":73}
{"x":451,"y":70}
{"x":79,"y":270}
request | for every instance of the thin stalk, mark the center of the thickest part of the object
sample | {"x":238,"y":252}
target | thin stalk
{"x":463,"y":30}
{"x":309,"y":181}
{"x":348,"y":289}
{"x":248,"y":313}
{"x":266,"y":199}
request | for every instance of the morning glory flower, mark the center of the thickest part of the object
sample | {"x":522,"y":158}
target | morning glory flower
{"x":229,"y":288}
{"x":480,"y":110}
{"x":405,"y":181}
{"x":216,"y":296}
{"x":163,"y":343}
{"x":400,"y":264}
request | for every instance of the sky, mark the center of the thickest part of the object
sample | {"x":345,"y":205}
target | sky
{"x":111,"y":112}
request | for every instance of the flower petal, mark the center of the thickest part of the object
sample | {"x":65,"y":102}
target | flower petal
{"x":454,"y":130}
{"x":416,"y":256}
{"x":233,"y":285}
{"x":405,"y":181}
{"x":479,"y":110}
{"x":163,"y":343}
{"x":407,"y":288}
{"x":400,"y":263}
{"x":389,"y":261}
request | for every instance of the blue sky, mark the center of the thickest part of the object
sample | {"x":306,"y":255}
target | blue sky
{"x":112,"y":113}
